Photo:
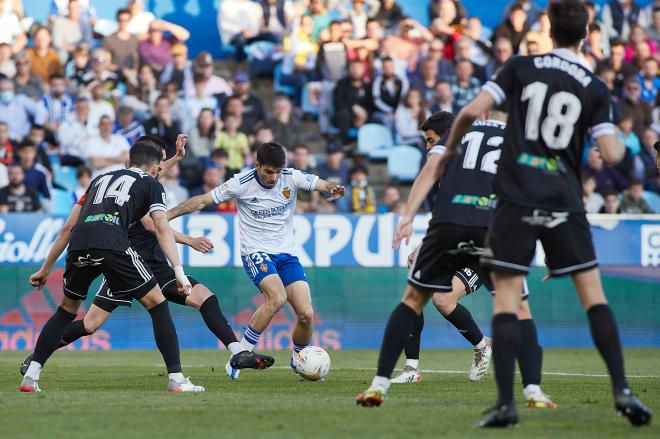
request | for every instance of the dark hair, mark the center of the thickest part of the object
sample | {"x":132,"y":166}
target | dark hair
{"x":36,"y":126}
{"x":143,"y":154}
{"x":616,"y":42}
{"x":568,"y":21}
{"x":121,"y":12}
{"x":438,"y":122}
{"x":515,"y":8}
{"x":220,"y":153}
{"x":271,"y":154}
{"x":656,"y":145}
{"x":300,"y":146}
{"x":155,"y":142}
{"x":593,"y":27}
{"x":55,"y":75}
{"x":124,"y":110}
{"x":82,"y":170}
{"x":27,"y":143}
{"x":358,"y":168}
{"x":635,"y":182}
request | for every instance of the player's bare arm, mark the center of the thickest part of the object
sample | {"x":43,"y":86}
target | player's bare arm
{"x":201,"y":244}
{"x":191,"y":205}
{"x":180,"y":144}
{"x":426,"y":179}
{"x":168,"y":246}
{"x":336,"y":191}
{"x":611,"y":148}
{"x":39,"y":278}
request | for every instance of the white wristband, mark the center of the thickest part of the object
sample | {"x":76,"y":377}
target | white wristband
{"x":181,"y":277}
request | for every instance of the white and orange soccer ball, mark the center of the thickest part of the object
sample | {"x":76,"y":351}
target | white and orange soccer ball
{"x":312,"y":363}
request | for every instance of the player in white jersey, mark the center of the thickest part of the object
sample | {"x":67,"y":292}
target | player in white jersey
{"x":266,"y":198}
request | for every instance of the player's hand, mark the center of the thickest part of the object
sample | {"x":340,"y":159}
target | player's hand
{"x":336,"y":193}
{"x":202,"y":244}
{"x":181,"y":141}
{"x":38,"y":279}
{"x":412,"y":256}
{"x":403,"y":231}
{"x":185,"y":289}
{"x":182,"y":280}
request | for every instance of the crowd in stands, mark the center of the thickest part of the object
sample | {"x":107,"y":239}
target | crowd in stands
{"x":72,"y":98}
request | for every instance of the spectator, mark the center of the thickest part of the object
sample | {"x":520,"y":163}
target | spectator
{"x":219,"y":159}
{"x":391,"y":198}
{"x":351,"y":101}
{"x":123,"y":47}
{"x":612,"y":203}
{"x":593,"y":47}
{"x":57,"y":103}
{"x":362,"y":196}
{"x":17,"y":197}
{"x":7,"y":146}
{"x":540,"y":36}
{"x":436,"y":52}
{"x":236,"y":143}
{"x":215,"y":85}
{"x":278,"y":17}
{"x":75,"y":131}
{"x":156,"y":50}
{"x":7,"y":66}
{"x":253,"y":108}
{"x":175,"y":193}
{"x":638,"y":36}
{"x":646,"y":14}
{"x":593,"y":201}
{"x":4,"y":177}
{"x":11,"y":31}
{"x":387,"y":91}
{"x":502,"y":51}
{"x":239,"y":24}
{"x":25,"y":82}
{"x":514,"y":28}
{"x":358,"y":16}
{"x":46,"y":148}
{"x":298,"y":66}
{"x":389,"y":15}
{"x":633,"y":105}
{"x":300,"y":160}
{"x":633,"y":202}
{"x":100,"y":73}
{"x":334,"y":169}
{"x":213,"y":177}
{"x":406,"y":47}
{"x":451,"y":12}
{"x":234,"y":106}
{"x":141,"y":94}
{"x":409,"y":117}
{"x":532,"y":10}
{"x":618,"y":16}
{"x":106,"y":152}
{"x":653,"y":28}
{"x":649,"y":81}
{"x":282,"y":124}
{"x":163,"y":125}
{"x":98,"y":105}
{"x":127,"y":126}
{"x":464,"y":86}
{"x":425,"y":79}
{"x":179,"y":71}
{"x":443,"y":99}
{"x":607,"y":177}
{"x":202,"y":135}
{"x":332,"y":58}
{"x":317,"y":11}
{"x":463,"y":49}
{"x":67,"y":32}
{"x":77,"y":68}
{"x":621,"y":68}
{"x":18,"y":111}
{"x":482,"y":47}
{"x":84,"y":178}
{"x":45,"y":60}
{"x":648,"y":161}
{"x":262,"y":134}
{"x":195,"y":104}
{"x":35,"y":174}
{"x":140,"y":20}
{"x":629,"y":138}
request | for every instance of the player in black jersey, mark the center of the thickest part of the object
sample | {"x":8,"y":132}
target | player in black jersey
{"x":554,"y":102}
{"x":97,"y":234}
{"x":142,"y":236}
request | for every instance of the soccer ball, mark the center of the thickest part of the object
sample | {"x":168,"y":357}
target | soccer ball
{"x":312,"y":363}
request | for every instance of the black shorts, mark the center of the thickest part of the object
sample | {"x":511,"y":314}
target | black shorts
{"x":164,"y":274}
{"x":125,"y":272}
{"x":442,"y":256}
{"x":474,"y":279}
{"x":511,"y":240}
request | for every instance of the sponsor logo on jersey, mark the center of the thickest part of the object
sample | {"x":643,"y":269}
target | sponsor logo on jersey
{"x":546,"y":219}
{"x":286,"y":191}
{"x":263,"y":267}
{"x":550,"y":164}
{"x":271,"y":211}
{"x":254,"y":200}
{"x":112,"y":218}
{"x":475,"y":200}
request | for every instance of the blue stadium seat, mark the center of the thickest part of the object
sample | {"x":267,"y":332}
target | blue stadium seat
{"x":65,"y":176}
{"x":403,"y":163}
{"x":653,"y":200}
{"x":62,"y":202}
{"x":306,"y":105}
{"x":277,"y":83}
{"x":375,"y":141}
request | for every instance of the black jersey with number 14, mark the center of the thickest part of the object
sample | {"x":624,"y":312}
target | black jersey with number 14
{"x":112,"y":203}
{"x":554,"y":102}
{"x":465,"y":196}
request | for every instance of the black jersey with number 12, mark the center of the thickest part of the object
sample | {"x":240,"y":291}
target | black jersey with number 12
{"x":112,"y":203}
{"x":554,"y":102}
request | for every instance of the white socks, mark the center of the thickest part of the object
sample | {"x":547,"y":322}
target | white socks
{"x":381,"y":382}
{"x":178,"y":377}
{"x":412,"y":363}
{"x":481,"y":344}
{"x":247,"y":345}
{"x":34,"y":370}
{"x":236,"y":347}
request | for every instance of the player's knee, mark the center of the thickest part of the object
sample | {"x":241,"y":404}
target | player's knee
{"x":70,"y":305}
{"x":198,"y":296}
{"x":444,"y":303}
{"x":276,"y":301}
{"x":306,"y":317}
{"x":92,"y":324}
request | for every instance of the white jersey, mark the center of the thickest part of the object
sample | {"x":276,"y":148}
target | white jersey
{"x":265,"y":215}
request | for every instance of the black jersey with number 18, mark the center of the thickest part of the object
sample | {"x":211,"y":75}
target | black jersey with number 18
{"x":554,"y":102}
{"x":112,"y":203}
{"x":465,"y":195}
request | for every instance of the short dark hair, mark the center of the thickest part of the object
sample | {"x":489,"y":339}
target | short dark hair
{"x":568,"y":21}
{"x":56,"y":75}
{"x":220,"y":153}
{"x":83,"y":170}
{"x":154,"y":141}
{"x":359,"y":168}
{"x":144,"y":154}
{"x":122,"y":12}
{"x":271,"y":154}
{"x":656,"y":146}
{"x":300,"y":146}
{"x":438,"y":122}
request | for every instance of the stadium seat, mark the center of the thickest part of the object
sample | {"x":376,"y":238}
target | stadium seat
{"x":62,"y":202}
{"x":375,"y":141}
{"x":277,"y":83}
{"x":403,"y":163}
{"x":653,"y":200}
{"x":65,"y":176}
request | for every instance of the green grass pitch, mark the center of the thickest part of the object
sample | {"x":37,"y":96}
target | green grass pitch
{"x":121,"y":395}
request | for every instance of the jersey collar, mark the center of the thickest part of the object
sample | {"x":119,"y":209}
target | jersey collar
{"x":137,"y":170}
{"x":256,"y":177}
{"x":566,"y":54}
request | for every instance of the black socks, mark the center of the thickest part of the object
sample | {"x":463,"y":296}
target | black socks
{"x":165,"y":335}
{"x":506,"y":341}
{"x":606,"y":337}
{"x":73,"y":332}
{"x":397,"y":334}
{"x":530,"y":356}
{"x":461,"y":318}
{"x":216,"y":321}
{"x":412,"y":346}
{"x":51,"y":334}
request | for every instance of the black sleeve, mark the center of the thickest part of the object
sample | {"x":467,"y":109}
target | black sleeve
{"x":4,"y":193}
{"x":600,"y":121}
{"x":36,"y":204}
{"x":156,"y":196}
{"x":501,"y":84}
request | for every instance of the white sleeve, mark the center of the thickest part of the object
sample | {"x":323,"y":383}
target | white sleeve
{"x":303,"y":180}
{"x":437,"y":149}
{"x":226,"y":191}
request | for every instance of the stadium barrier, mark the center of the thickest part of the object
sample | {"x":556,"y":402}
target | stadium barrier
{"x":355,"y":277}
